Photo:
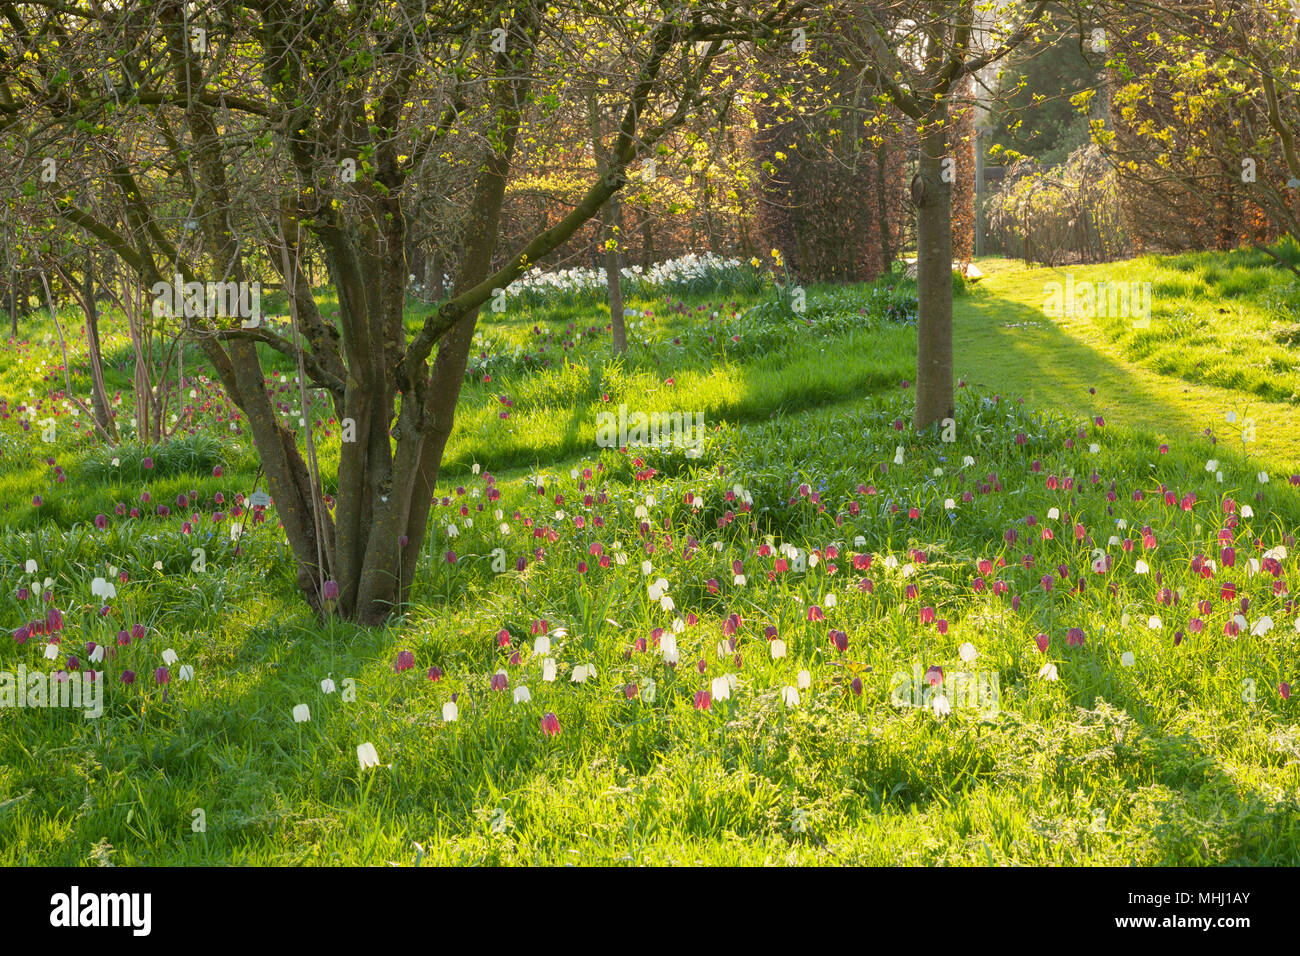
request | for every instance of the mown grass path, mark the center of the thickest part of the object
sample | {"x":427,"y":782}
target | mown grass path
{"x":1005,"y":342}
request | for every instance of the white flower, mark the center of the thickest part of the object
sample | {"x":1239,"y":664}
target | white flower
{"x":476,"y":468}
{"x":1262,"y":626}
{"x":721,"y":688}
{"x":1094,"y":448}
{"x":1141,"y":567}
{"x":1053,"y":514}
{"x":1154,"y":623}
{"x":739,"y":580}
{"x":1231,"y":417}
{"x":101,"y":587}
{"x":1240,"y":621}
{"x":790,"y":696}
{"x":367,"y":756}
{"x":169,"y":656}
{"x":1127,"y":659}
{"x":678,"y":625}
{"x":967,"y":652}
{"x":522,"y":695}
{"x":1247,"y":511}
{"x":1047,"y":672}
{"x":1218,"y":476}
{"x":941,"y":706}
{"x":581,"y":672}
{"x":542,"y":645}
{"x":898,"y":455}
{"x":51,"y":651}
{"x":30,"y":566}
{"x":450,"y":711}
{"x":186,"y":673}
{"x":548,"y":670}
{"x":778,"y":646}
{"x":646,"y":568}
{"x":327,"y":686}
{"x":1212,"y":465}
{"x":453,"y":531}
{"x":949,"y":504}
{"x":301,"y":714}
{"x":1263,"y":477}
{"x":97,"y":654}
{"x":804,"y":680}
{"x":968,"y":461}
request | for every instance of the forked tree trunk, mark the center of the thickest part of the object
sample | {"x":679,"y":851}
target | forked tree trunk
{"x":933,"y":197}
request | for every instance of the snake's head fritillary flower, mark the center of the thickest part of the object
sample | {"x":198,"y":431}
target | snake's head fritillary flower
{"x":550,"y":724}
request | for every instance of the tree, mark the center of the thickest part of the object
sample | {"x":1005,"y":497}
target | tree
{"x":1206,"y":115}
{"x":916,"y":53}
{"x":273,"y":127}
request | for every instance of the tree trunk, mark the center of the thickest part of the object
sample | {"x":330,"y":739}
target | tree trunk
{"x":647,"y":243}
{"x":433,"y":275}
{"x":882,"y":209}
{"x":611,"y":215}
{"x":98,"y":392}
{"x":933,"y":197}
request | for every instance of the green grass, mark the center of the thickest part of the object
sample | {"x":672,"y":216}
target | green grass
{"x":1188,"y":756}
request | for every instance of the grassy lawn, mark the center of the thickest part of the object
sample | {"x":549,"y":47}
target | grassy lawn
{"x":1216,"y":345}
{"x":1059,"y":638}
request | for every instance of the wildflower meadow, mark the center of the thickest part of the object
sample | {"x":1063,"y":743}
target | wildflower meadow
{"x":702,"y":434}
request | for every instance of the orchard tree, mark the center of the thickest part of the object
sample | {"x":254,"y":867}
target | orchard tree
{"x":236,"y":136}
{"x":919,"y":54}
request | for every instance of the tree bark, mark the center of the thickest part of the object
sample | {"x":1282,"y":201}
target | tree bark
{"x":612,"y":218}
{"x":882,"y":209}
